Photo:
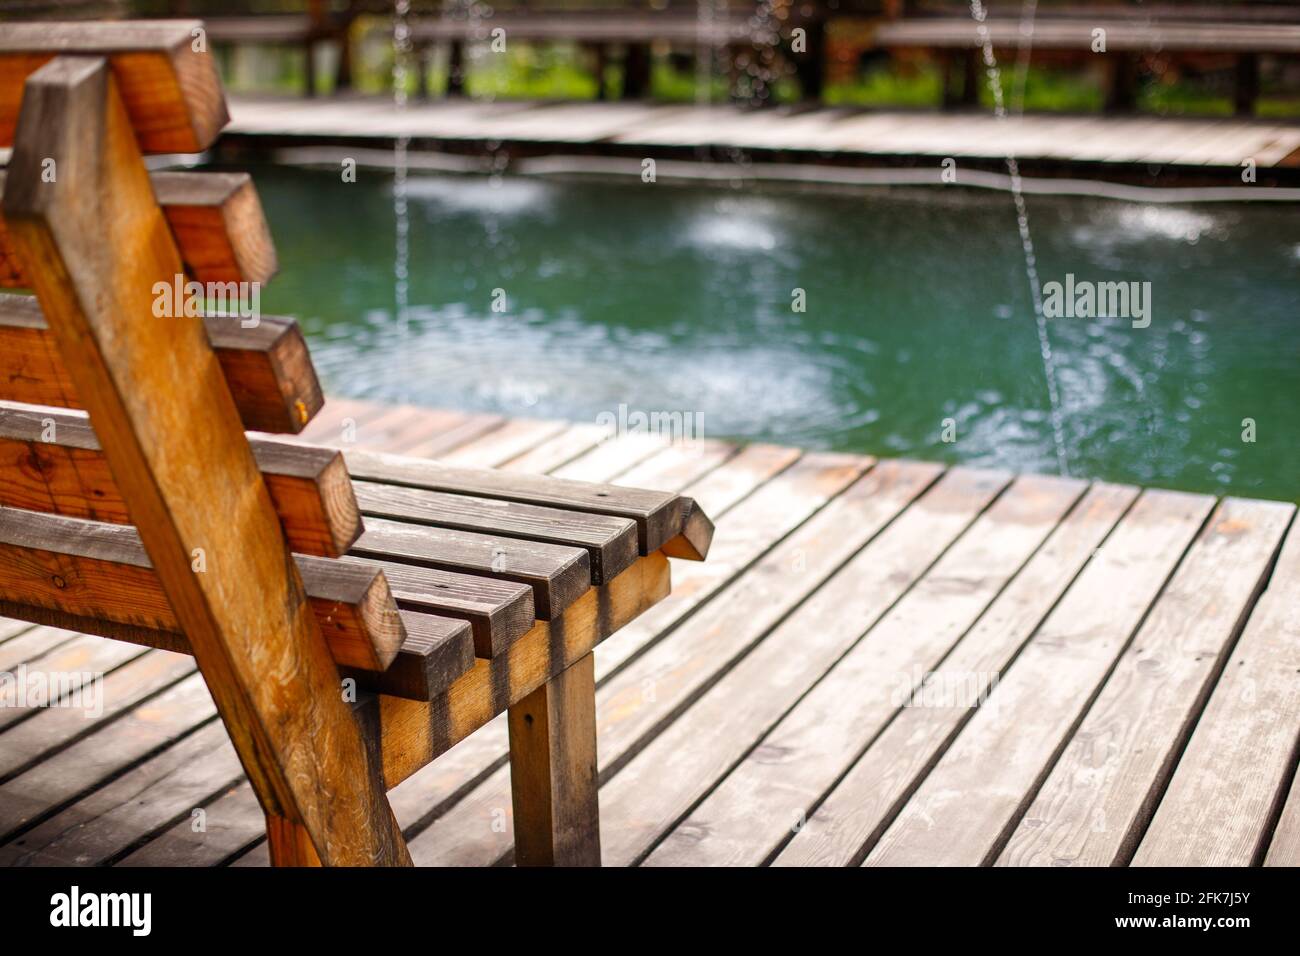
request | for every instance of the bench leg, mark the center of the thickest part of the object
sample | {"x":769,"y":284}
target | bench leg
{"x":289,"y":843}
{"x":553,"y":771}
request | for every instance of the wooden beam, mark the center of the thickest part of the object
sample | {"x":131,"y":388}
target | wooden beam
{"x":216,"y":219}
{"x":94,"y":569}
{"x":553,"y":777}
{"x":267,"y":368}
{"x":435,"y":652}
{"x":167,"y":79}
{"x":95,"y":243}
{"x":50,"y":461}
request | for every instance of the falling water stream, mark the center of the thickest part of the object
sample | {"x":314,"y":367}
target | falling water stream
{"x":401,"y":216}
{"x":1026,"y":241}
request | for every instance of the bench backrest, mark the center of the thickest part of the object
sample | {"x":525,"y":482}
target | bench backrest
{"x":100,"y":242}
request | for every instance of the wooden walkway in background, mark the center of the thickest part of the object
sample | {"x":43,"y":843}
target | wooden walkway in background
{"x":804,"y":696}
{"x":1206,"y":141}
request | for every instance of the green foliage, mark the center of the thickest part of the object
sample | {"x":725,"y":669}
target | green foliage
{"x":889,"y":87}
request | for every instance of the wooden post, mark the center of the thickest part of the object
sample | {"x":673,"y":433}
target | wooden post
{"x":1122,"y":95}
{"x":1247,"y":84}
{"x":315,"y":30}
{"x":602,"y":91}
{"x":553,"y":775}
{"x":810,"y":66}
{"x":83,"y":218}
{"x":948,"y":95}
{"x":636,"y":71}
{"x":456,"y":69}
{"x":970,"y":79}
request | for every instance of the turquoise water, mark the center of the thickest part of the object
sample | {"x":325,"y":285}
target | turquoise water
{"x":679,"y":298}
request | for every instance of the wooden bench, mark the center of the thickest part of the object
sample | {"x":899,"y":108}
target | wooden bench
{"x":354,"y":615}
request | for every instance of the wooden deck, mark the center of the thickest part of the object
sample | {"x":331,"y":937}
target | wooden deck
{"x":839,"y":132}
{"x":804,"y":696}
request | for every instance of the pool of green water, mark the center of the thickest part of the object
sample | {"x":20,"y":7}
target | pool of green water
{"x":571,"y":298}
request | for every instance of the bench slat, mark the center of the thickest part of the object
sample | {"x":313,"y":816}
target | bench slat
{"x":558,"y":575}
{"x":499,"y":612}
{"x":99,"y":570}
{"x":215,"y":218}
{"x":436,"y":651}
{"x":171,"y":91}
{"x":268,"y":368}
{"x":610,"y":541}
{"x":658,"y":515}
{"x":69,"y":475}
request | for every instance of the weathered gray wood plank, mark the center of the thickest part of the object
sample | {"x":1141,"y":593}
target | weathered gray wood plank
{"x":962,"y":811}
{"x":1232,"y":778}
{"x":1100,"y":795}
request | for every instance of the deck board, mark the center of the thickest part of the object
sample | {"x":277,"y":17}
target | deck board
{"x":1133,"y":659}
{"x":960,"y":813}
{"x":1237,"y":768}
{"x":1099,"y":797}
{"x":855,"y":133}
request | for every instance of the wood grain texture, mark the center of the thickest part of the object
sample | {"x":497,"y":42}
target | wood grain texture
{"x":1284,"y":848}
{"x":756,"y":807}
{"x":658,"y":515}
{"x":267,"y":368}
{"x":854,"y":813}
{"x":51,"y":461}
{"x":94,"y":243}
{"x":499,"y":612}
{"x":94,"y":570}
{"x":962,"y":812}
{"x":218,"y":224}
{"x":101,"y":824}
{"x":436,"y":651}
{"x":611,"y":542}
{"x":663,"y":781}
{"x":178,"y":704}
{"x":215,"y":218}
{"x":171,"y":91}
{"x":1230,"y":783}
{"x":558,"y":575}
{"x":696,"y":536}
{"x":553,"y":776}
{"x":1100,"y":795}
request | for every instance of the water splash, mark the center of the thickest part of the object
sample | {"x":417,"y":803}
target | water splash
{"x":1026,"y":241}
